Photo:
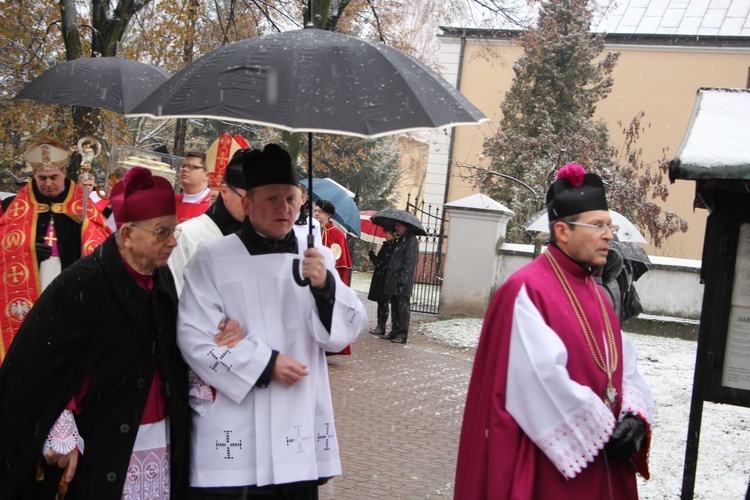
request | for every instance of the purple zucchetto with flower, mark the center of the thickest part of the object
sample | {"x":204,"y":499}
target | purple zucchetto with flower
{"x":575,"y":191}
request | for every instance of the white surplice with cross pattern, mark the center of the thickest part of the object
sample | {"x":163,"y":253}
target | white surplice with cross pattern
{"x":252,"y":435}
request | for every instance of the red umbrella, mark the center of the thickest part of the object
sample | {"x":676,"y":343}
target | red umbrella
{"x":370,"y":231}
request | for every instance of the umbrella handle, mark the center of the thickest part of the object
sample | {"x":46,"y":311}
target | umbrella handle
{"x":295,"y":265}
{"x":297,"y":276}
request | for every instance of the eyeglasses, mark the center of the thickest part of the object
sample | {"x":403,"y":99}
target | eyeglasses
{"x":192,"y":167}
{"x":234,"y":191}
{"x":601,"y":227}
{"x":162,"y":233}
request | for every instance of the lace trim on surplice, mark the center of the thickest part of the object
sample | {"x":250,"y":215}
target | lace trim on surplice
{"x":635,"y":402}
{"x":574,"y":443}
{"x":148,"y":475}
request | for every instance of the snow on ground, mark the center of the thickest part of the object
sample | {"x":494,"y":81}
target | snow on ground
{"x":667,"y":365}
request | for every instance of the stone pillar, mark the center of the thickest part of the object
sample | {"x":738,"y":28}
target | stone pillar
{"x":477,"y":228}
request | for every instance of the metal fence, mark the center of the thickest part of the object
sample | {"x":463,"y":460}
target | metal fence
{"x":428,"y":275}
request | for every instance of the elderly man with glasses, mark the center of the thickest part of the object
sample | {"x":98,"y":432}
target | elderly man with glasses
{"x":195,"y":197}
{"x":93,"y":391}
{"x":556,"y":407}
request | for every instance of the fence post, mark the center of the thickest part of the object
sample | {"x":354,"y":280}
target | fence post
{"x":477,"y":226}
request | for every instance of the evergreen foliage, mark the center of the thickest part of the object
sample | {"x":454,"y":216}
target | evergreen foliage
{"x":548,"y":120}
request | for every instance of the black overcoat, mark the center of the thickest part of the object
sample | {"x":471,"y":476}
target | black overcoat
{"x":379,"y":274}
{"x":400,"y":277}
{"x":94,"y":319}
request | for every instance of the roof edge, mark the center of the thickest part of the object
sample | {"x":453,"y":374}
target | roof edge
{"x":624,"y":38}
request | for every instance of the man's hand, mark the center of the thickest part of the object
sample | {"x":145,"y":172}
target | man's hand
{"x":68,"y":462}
{"x":314,"y":268}
{"x":627,"y":438}
{"x":230,"y":334}
{"x":288,"y":370}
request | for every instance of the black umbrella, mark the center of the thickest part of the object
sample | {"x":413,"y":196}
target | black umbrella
{"x":311,"y":80}
{"x":111,"y":83}
{"x":388,"y":216}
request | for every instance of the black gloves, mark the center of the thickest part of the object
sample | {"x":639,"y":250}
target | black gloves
{"x":43,"y":252}
{"x":372,"y":255}
{"x":627,"y":438}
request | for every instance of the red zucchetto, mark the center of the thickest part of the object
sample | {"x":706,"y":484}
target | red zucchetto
{"x":140,"y":195}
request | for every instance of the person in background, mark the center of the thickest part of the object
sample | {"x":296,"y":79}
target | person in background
{"x":195,"y":197}
{"x":377,"y":284}
{"x":301,"y":227}
{"x":269,"y":432}
{"x":42,"y":233}
{"x":102,"y":200}
{"x":222,"y":218}
{"x":556,"y":407}
{"x":87,"y":181}
{"x":399,"y":280}
{"x":617,"y":277}
{"x":333,"y":238}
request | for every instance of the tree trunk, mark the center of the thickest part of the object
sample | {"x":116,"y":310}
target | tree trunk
{"x":179,"y":137}
{"x":187,"y":56}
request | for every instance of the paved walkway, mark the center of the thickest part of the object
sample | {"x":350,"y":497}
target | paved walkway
{"x":398,"y":416}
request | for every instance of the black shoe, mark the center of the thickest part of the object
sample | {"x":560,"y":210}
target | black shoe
{"x":377,"y":331}
{"x":398,"y":340}
{"x":386,"y":336}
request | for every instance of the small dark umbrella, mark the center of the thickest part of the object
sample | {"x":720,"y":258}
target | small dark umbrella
{"x":385,"y":218}
{"x":112,"y":83}
{"x":635,"y":254}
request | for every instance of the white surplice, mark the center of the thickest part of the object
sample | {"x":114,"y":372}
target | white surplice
{"x":302,"y":230}
{"x":194,"y":232}
{"x":253,"y":435}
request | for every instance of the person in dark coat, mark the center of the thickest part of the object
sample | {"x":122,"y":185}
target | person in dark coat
{"x":607,"y":278}
{"x":94,"y":391}
{"x":377,"y":284}
{"x":616,"y":277}
{"x":400,"y":280}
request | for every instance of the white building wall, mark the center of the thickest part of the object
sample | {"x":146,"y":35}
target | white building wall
{"x":436,"y":179}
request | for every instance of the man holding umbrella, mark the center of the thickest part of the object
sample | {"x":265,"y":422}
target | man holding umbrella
{"x":270,"y":429}
{"x":399,"y":280}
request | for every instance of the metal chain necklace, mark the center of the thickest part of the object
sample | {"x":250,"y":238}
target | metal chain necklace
{"x":607,"y":362}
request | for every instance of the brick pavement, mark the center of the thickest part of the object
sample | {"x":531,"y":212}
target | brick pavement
{"x":398,"y":416}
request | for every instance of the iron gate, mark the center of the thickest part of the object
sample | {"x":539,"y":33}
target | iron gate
{"x":428,"y":275}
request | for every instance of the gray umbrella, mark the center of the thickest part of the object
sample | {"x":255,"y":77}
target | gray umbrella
{"x":388,"y":216}
{"x":111,"y":83}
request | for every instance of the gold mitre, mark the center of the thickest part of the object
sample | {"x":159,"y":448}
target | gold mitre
{"x":47,"y":154}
